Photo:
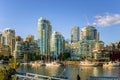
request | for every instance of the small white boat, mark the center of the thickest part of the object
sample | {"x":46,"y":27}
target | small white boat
{"x":111,"y":64}
{"x":1,"y":61}
{"x":42,"y":63}
{"x":25,"y":63}
{"x":88,"y":64}
{"x":53,"y":64}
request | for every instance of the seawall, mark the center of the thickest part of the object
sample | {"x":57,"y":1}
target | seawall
{"x":71,"y":62}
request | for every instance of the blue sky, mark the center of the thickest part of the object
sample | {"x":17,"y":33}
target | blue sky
{"x":22,"y":15}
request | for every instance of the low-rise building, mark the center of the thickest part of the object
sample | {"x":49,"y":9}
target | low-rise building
{"x":26,"y":47}
{"x":113,"y":46}
{"x":101,"y":55}
{"x":67,"y":47}
{"x":86,"y":47}
{"x":75,"y":50}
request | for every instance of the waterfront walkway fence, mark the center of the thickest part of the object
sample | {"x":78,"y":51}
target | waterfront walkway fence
{"x":31,"y":76}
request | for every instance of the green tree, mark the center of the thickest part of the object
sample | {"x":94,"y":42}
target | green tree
{"x":25,"y":57}
{"x":32,"y":56}
{"x":1,"y":57}
{"x":6,"y":57}
{"x":65,"y":56}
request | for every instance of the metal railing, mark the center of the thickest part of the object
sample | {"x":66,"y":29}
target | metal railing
{"x":31,"y":76}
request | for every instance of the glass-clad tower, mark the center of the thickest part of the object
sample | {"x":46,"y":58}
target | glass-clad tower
{"x":57,"y":44}
{"x":75,"y":34}
{"x":89,"y":33}
{"x":44,"y":33}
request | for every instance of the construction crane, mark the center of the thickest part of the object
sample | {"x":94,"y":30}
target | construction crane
{"x":88,"y":23}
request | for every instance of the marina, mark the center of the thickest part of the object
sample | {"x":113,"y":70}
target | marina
{"x":71,"y":71}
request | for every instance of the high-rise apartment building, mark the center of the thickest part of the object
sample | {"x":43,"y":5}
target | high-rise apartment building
{"x":89,"y":41}
{"x":8,"y":38}
{"x":57,"y":44}
{"x":3,"y":40}
{"x":9,"y":34}
{"x":18,"y":38}
{"x":75,"y":34}
{"x":44,"y":34}
{"x":89,"y":33}
{"x":30,"y":38}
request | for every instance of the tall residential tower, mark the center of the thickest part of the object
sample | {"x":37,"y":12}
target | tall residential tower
{"x":75,"y":34}
{"x":89,"y":33}
{"x":57,"y":44}
{"x":89,"y":41}
{"x":44,"y":34}
{"x":8,"y":38}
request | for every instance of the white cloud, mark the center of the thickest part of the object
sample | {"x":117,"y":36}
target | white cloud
{"x":98,"y":17}
{"x":107,"y":20}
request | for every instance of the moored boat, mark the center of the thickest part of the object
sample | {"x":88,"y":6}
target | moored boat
{"x":42,"y":63}
{"x":111,"y":64}
{"x":53,"y":64}
{"x":88,"y":64}
{"x":24,"y":63}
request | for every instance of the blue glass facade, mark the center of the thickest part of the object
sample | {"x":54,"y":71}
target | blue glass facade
{"x":75,"y":34}
{"x":44,"y":33}
{"x":57,"y":44}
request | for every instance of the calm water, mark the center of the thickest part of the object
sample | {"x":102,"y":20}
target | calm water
{"x":71,"y":71}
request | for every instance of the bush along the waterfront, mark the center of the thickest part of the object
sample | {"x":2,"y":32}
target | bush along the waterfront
{"x":6,"y":73}
{"x":65,"y":56}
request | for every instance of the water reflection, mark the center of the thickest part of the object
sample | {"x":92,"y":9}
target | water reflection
{"x":86,"y":72}
{"x":95,"y":71}
{"x":114,"y":71}
{"x":71,"y":71}
{"x":53,"y":71}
